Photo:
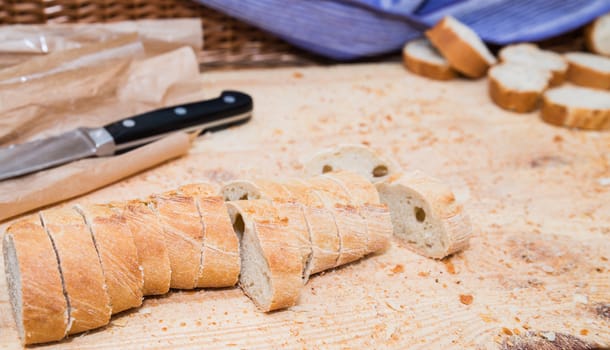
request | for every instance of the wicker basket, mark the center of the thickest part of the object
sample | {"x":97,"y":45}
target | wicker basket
{"x":229,"y":43}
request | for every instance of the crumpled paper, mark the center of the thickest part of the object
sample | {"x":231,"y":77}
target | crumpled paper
{"x":89,"y":86}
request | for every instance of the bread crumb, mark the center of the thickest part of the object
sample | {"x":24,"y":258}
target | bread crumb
{"x":557,"y":138}
{"x":550,"y":336}
{"x":423,"y":274}
{"x":297,"y":75}
{"x":506,"y":331}
{"x":584,"y":331}
{"x":449,"y":266}
{"x":398,"y":268}
{"x":466,"y":299}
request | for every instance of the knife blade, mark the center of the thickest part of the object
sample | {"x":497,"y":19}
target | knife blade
{"x":230,"y":108}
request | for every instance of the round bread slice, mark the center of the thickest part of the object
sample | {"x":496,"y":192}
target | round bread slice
{"x":220,"y":263}
{"x":590,"y":70}
{"x":366,"y":198}
{"x":80,"y":268}
{"x":351,"y":226}
{"x":577,"y":107}
{"x":286,"y":207}
{"x":461,"y":46}
{"x":516,"y":87}
{"x":530,"y":55}
{"x":34,"y":283}
{"x":325,"y":240}
{"x":425,"y":215}
{"x":183,"y":234}
{"x":597,"y":35}
{"x":118,"y":255}
{"x":351,"y":157}
{"x":421,"y":58}
{"x":152,"y":251}
{"x":271,"y":268}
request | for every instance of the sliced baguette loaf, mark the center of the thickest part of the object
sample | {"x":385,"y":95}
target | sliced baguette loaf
{"x":577,"y":107}
{"x":516,"y":87}
{"x":425,"y":215}
{"x":183,"y":234}
{"x":118,"y":255}
{"x":34,"y":283}
{"x":588,"y":70}
{"x":597,"y":35}
{"x":351,"y":226}
{"x":83,"y":280}
{"x":421,"y":58}
{"x":285,"y":206}
{"x":351,"y":157}
{"x":530,"y":55}
{"x":271,"y":267}
{"x":461,"y":46}
{"x":365,"y":196}
{"x":220,"y":263}
{"x":152,"y":250}
{"x":325,"y":241}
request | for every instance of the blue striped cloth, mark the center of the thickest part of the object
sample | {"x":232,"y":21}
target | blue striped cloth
{"x":351,"y":29}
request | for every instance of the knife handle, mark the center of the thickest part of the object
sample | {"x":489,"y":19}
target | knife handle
{"x":230,"y":108}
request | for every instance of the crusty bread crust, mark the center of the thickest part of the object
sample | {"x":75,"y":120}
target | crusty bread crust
{"x":325,"y":241}
{"x":460,"y":54}
{"x":220,"y":261}
{"x":366,"y":198}
{"x":426,"y":68}
{"x":44,"y":308}
{"x":583,"y":118}
{"x":183,"y":233}
{"x":80,"y":267}
{"x":583,"y":75}
{"x":350,"y":224}
{"x":118,"y":255}
{"x":152,"y":251}
{"x":513,"y":100}
{"x":279,"y":249}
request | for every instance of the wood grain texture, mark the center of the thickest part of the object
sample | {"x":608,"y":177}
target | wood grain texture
{"x":538,"y":196}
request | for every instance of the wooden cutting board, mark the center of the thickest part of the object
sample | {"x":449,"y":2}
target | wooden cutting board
{"x":538,"y":195}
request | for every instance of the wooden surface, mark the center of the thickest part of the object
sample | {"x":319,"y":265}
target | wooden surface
{"x":538,"y":195}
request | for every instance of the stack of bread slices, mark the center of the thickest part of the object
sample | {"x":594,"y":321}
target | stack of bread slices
{"x":527,"y":76}
{"x":70,"y":269}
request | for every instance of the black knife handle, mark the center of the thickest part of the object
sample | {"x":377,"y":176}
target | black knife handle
{"x":228,"y":109}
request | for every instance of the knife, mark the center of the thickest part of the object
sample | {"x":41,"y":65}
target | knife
{"x":230,"y":108}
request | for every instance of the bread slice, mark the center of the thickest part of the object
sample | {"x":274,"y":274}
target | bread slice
{"x":220,"y":263}
{"x":183,"y":234}
{"x":351,"y":226}
{"x":590,"y":70}
{"x":516,"y":87}
{"x":351,"y":157}
{"x":597,"y":35}
{"x":150,"y":244}
{"x":271,"y":267}
{"x":462,"y":47}
{"x":366,"y":198}
{"x":80,"y":268}
{"x":421,"y":58}
{"x":37,"y":297}
{"x":530,"y":55}
{"x":325,"y":240}
{"x":425,"y":215}
{"x":118,"y":255}
{"x":577,"y":107}
{"x":286,"y":207}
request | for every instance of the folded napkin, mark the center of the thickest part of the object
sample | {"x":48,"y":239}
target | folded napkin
{"x":351,"y":29}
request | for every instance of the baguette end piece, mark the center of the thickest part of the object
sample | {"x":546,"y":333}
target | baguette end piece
{"x":425,"y":215}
